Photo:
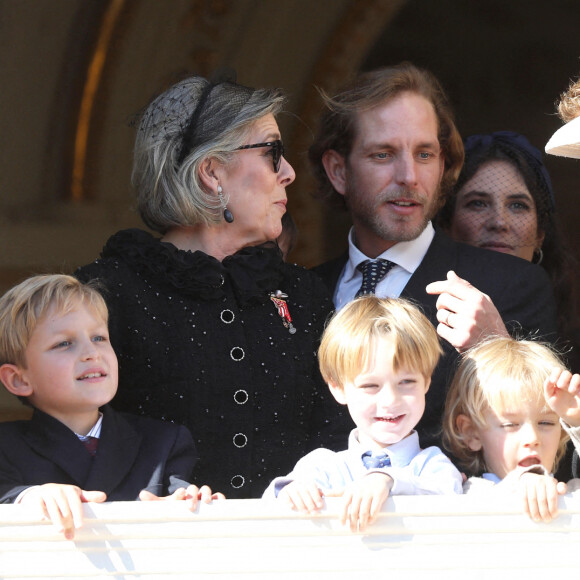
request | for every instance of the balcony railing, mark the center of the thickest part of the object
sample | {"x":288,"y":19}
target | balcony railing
{"x":417,"y":537}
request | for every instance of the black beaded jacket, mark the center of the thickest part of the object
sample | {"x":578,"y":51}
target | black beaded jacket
{"x":201,"y":343}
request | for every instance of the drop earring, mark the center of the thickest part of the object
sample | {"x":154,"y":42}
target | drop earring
{"x":228,"y":215}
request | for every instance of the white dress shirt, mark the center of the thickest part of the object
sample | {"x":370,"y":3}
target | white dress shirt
{"x":406,"y":255}
{"x":95,"y":429}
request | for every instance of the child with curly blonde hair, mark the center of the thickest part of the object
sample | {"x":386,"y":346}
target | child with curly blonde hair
{"x":508,"y":416}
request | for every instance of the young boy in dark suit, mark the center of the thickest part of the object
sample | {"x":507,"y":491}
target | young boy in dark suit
{"x":56,"y":356}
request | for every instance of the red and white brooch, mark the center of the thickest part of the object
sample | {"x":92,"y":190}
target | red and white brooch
{"x":279,"y":300}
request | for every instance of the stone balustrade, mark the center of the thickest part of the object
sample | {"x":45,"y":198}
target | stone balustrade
{"x":420,"y":537}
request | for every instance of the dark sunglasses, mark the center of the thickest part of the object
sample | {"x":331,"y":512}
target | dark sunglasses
{"x":277,"y":150}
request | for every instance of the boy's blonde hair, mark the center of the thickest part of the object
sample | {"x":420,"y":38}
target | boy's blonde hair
{"x":23,"y":306}
{"x":347,"y":343}
{"x":499,"y":374}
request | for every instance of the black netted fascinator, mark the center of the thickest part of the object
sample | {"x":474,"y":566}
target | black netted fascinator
{"x":195,"y":111}
{"x":511,"y":144}
{"x":217,"y":109}
{"x":503,"y":198}
{"x":194,"y":120}
{"x":527,"y":162}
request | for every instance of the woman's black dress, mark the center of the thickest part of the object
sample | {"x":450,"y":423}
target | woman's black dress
{"x":201,"y":343}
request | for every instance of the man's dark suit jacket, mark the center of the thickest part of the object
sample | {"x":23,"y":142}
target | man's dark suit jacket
{"x":521,"y":292}
{"x":134,"y":453}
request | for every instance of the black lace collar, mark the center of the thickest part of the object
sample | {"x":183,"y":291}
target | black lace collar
{"x":252,"y":272}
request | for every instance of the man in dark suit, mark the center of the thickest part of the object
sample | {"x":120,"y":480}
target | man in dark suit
{"x":388,"y":151}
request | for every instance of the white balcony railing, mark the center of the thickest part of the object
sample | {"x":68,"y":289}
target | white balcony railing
{"x":421,"y":537}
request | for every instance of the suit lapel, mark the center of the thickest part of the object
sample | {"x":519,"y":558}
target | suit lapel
{"x":119,"y":446}
{"x":57,"y":443}
{"x":330,"y":271}
{"x":439,"y":259}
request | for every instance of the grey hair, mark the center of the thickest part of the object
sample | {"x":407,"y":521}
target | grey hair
{"x":169,"y":191}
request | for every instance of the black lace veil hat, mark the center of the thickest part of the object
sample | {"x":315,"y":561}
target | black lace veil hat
{"x":191,"y":120}
{"x":526,"y":159}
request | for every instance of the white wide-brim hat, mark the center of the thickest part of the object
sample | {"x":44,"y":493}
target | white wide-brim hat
{"x":565,"y":142}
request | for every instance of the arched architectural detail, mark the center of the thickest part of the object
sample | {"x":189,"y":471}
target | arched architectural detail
{"x":341,"y":58}
{"x":199,"y":25}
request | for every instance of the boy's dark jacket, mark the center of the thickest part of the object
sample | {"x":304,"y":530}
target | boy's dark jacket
{"x":134,"y":453}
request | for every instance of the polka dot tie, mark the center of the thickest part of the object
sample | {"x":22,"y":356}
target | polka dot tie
{"x":373,"y":272}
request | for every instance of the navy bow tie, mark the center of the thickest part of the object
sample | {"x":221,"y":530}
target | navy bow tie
{"x":378,"y":460}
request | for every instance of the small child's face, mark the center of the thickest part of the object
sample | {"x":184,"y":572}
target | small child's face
{"x":528,"y":436}
{"x":71,"y":367}
{"x":384,"y":404}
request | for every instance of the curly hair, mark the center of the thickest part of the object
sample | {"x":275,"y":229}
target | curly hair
{"x":569,"y":105}
{"x":497,"y":374}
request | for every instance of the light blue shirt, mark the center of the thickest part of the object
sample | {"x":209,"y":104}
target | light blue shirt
{"x":406,"y":255}
{"x":414,"y":471}
{"x":491,"y":477}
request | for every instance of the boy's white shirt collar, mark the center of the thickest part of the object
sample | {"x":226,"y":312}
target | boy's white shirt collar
{"x":516,"y":473}
{"x":400,"y":453}
{"x":95,"y":429}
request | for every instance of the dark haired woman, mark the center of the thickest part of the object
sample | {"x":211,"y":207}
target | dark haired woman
{"x":503,"y":201}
